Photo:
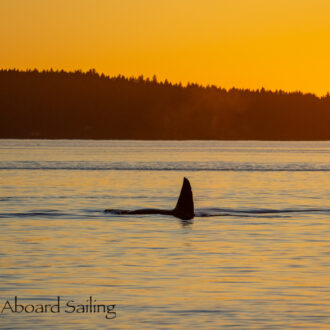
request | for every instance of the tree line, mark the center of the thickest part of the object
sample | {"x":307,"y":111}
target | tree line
{"x":87,"y":105}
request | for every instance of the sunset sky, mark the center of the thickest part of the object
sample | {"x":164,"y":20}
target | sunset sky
{"x":276,"y":44}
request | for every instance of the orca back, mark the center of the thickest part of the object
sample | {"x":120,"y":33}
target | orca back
{"x":184,"y":208}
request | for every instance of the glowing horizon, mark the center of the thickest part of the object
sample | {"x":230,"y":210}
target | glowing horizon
{"x":278,"y":45}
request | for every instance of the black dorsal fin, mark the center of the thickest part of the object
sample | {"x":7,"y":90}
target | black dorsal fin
{"x":185,"y":206}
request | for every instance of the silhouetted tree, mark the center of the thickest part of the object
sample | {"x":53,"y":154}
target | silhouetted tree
{"x":59,"y":104}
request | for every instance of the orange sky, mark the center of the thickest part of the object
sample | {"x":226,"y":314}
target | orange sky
{"x":278,"y":44}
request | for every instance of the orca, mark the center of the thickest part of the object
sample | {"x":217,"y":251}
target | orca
{"x":183,"y":210}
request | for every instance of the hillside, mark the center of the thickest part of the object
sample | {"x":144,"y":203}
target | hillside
{"x":77,"y":105}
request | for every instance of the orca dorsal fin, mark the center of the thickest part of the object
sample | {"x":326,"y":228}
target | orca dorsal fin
{"x":184,"y":208}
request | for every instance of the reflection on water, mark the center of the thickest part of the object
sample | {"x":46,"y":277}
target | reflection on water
{"x":256,"y":255}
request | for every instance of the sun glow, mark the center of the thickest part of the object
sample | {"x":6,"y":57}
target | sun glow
{"x":244,"y":43}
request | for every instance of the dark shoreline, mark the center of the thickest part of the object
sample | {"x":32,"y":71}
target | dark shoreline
{"x":159,"y":140}
{"x":77,"y":105}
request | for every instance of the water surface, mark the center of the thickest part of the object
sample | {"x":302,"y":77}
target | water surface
{"x":256,"y":256}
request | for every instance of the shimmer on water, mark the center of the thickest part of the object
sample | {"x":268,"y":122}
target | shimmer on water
{"x":255,"y":256}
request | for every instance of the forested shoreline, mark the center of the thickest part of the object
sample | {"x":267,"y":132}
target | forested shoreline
{"x":87,"y":105}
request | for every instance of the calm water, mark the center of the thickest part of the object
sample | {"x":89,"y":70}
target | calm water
{"x":257,"y":256}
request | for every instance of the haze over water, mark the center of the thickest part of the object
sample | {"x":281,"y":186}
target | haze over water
{"x":256,"y":256}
